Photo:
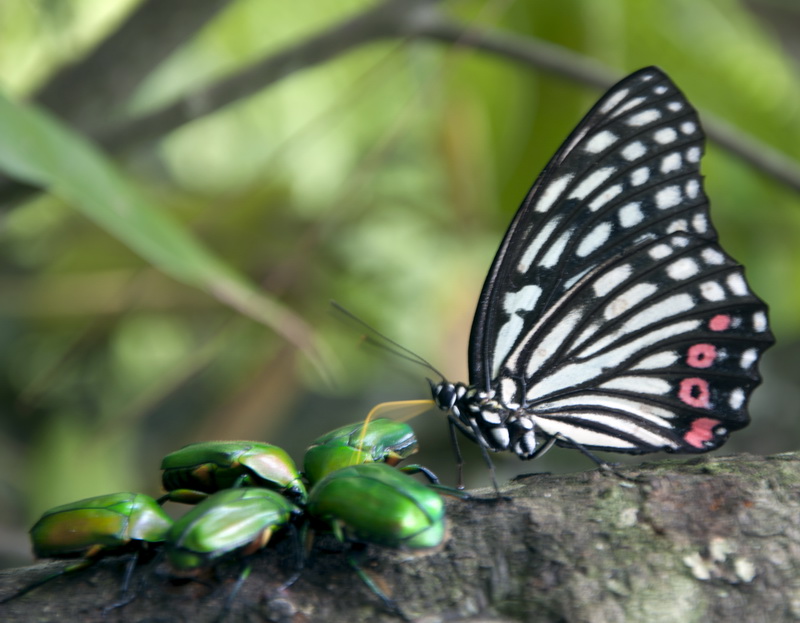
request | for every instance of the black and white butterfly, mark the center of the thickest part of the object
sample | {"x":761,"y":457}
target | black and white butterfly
{"x":611,"y":318}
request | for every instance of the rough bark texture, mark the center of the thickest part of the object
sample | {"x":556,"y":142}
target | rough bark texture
{"x":707,"y":539}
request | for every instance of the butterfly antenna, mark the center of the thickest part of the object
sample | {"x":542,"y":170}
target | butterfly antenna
{"x":380,"y":340}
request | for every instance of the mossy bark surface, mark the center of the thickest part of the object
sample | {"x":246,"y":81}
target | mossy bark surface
{"x":705,"y":540}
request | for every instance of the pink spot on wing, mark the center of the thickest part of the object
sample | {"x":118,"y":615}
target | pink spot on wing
{"x":720,"y":322}
{"x":694,"y":392}
{"x":700,"y":432}
{"x":701,"y":355}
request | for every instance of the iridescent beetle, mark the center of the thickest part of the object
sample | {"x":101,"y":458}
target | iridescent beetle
{"x":233,"y":523}
{"x":196,"y":470}
{"x":95,"y":527}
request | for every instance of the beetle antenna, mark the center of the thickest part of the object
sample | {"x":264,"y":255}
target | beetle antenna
{"x":376,"y":338}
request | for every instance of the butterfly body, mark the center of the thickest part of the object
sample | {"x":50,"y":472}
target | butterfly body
{"x":611,"y":318}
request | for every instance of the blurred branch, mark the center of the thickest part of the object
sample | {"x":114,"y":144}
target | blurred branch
{"x":408,"y":19}
{"x":563,"y":62}
{"x":421,"y":19}
{"x":88,"y":93}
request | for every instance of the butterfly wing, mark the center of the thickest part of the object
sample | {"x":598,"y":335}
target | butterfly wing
{"x":610,"y":313}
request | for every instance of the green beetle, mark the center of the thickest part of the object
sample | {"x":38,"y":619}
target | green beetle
{"x":97,"y":526}
{"x":195,"y":471}
{"x":234,"y":521}
{"x":229,"y":523}
{"x":379,"y":440}
{"x":375,"y":503}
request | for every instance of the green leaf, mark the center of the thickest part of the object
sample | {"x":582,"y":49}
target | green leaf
{"x":36,"y":148}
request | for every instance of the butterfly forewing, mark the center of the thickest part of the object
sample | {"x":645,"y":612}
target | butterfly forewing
{"x":610,"y":316}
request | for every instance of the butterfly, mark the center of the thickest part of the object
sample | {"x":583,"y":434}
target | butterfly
{"x":611,"y":318}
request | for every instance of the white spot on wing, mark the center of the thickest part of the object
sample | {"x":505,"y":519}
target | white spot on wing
{"x":550,"y":343}
{"x":636,"y":384}
{"x":556,"y":249}
{"x":692,"y":189}
{"x":665,"y":135}
{"x":551,"y":194}
{"x":712,"y":256}
{"x":629,"y":299}
{"x":688,"y":127}
{"x":679,"y":224}
{"x":640,"y":176}
{"x":737,"y":284}
{"x":610,"y":280}
{"x":700,"y":223}
{"x":749,"y":357}
{"x":591,"y":182}
{"x":675,"y":106}
{"x":652,"y":413}
{"x":643,"y":118}
{"x":613,"y":100}
{"x":600,"y":142}
{"x":670,"y":163}
{"x":660,"y":89}
{"x":522,"y":300}
{"x":760,"y":322}
{"x":604,"y":197}
{"x":659,"y":361}
{"x":633,"y":103}
{"x":536,"y":244}
{"x":594,"y":239}
{"x":668,"y":197}
{"x":631,"y":214}
{"x":586,"y":437}
{"x":508,"y":394}
{"x":736,"y":399}
{"x":634,"y":151}
{"x":712,"y":291}
{"x":660,"y":251}
{"x":683,"y":269}
{"x":506,"y":338}
{"x":693,"y":154}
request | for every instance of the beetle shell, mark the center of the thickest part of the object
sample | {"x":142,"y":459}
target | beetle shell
{"x":233,"y":521}
{"x":106,"y":521}
{"x":385,"y":440}
{"x":215,"y":465}
{"x":377,"y":504}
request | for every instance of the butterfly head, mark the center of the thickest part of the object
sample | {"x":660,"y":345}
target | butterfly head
{"x":446,"y":394}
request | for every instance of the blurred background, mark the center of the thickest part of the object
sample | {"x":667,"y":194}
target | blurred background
{"x":247,"y":161}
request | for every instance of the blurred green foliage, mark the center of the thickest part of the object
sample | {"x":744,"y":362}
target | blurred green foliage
{"x":383,"y":179}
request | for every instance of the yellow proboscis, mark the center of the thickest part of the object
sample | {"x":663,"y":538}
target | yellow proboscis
{"x":399,"y":410}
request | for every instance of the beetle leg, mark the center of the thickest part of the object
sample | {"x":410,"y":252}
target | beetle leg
{"x":183,"y":496}
{"x":226,"y":607}
{"x":300,"y":559}
{"x":389,"y":603}
{"x":83,"y":564}
{"x":420,"y":469}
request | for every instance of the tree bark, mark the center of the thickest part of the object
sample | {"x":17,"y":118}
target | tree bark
{"x":705,"y":539}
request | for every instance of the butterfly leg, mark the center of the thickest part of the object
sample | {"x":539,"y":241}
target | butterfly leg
{"x":604,"y":466}
{"x":457,"y":452}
